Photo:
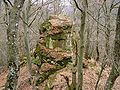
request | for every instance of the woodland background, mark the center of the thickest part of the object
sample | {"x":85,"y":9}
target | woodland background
{"x":95,"y":34}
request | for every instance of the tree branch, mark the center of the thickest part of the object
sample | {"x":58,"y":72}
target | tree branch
{"x":78,"y":6}
{"x":5,"y":2}
{"x":10,"y":3}
{"x":40,"y":7}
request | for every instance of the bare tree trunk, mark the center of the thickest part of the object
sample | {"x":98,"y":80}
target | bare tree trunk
{"x":107,"y":31}
{"x":13,"y":58}
{"x":111,"y":79}
{"x":26,"y":40}
{"x":0,"y":6}
{"x":115,"y":71}
{"x":97,"y":43}
{"x":107,"y":45}
{"x":87,"y":54}
{"x":74,"y":67}
{"x":80,"y":64}
{"x":81,"y":44}
{"x":74,"y":59}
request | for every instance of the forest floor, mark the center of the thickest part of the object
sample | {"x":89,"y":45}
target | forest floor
{"x":90,"y":75}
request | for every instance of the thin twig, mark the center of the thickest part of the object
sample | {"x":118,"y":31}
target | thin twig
{"x":40,"y":7}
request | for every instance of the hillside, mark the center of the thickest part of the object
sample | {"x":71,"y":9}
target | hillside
{"x":90,"y":74}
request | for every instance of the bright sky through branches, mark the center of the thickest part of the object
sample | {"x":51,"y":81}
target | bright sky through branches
{"x":64,"y":2}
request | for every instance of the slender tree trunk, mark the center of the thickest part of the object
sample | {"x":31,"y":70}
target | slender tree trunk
{"x":97,"y":42}
{"x":74,"y":67}
{"x":107,"y":32}
{"x":107,"y":45}
{"x":87,"y":55}
{"x":115,"y":71}
{"x":80,"y":64}
{"x":26,"y":40}
{"x":0,"y":6}
{"x":81,"y":47}
{"x":74,"y":58}
{"x":13,"y":58}
{"x":111,"y":79}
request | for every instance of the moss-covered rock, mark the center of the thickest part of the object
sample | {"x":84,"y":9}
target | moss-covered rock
{"x":54,"y":29}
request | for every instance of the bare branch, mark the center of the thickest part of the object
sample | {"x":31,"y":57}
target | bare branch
{"x":114,"y":5}
{"x":40,"y":7}
{"x":34,"y":19}
{"x":78,"y":6}
{"x":10,"y":2}
{"x":23,"y":20}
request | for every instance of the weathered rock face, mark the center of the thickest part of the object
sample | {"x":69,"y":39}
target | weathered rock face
{"x":60,"y":21}
{"x":55,"y":24}
{"x":51,"y":45}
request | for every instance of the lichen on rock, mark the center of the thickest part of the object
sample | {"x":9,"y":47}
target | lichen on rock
{"x":55,"y":28}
